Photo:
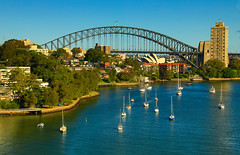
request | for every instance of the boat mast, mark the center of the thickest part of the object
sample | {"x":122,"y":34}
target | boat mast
{"x":129,"y":98}
{"x":145,"y":96}
{"x":178,"y":79}
{"x":123,"y":102}
{"x":221,"y":94}
{"x":120,"y":116}
{"x":62,"y":116}
{"x":171,"y":107}
{"x":156,"y":92}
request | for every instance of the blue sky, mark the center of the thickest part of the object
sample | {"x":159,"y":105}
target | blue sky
{"x":189,"y":21}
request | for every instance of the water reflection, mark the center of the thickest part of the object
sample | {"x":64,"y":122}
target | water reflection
{"x":199,"y":126}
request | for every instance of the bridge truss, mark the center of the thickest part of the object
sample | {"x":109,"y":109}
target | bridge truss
{"x":122,"y":38}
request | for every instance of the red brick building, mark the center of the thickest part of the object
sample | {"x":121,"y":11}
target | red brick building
{"x":175,"y":67}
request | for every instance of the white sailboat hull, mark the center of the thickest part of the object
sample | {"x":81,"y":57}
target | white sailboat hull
{"x":146,"y":104}
{"x":123,"y":114}
{"x":63,"y":128}
{"x":171,"y":117}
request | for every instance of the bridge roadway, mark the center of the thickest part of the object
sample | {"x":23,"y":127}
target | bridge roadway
{"x":169,"y":52}
{"x":159,"y":52}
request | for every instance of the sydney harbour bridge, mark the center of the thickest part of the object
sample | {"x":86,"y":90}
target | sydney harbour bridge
{"x":124,"y":39}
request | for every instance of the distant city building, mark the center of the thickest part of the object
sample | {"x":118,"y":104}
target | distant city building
{"x":147,"y":67}
{"x":5,"y":73}
{"x":27,"y":42}
{"x":217,"y":48}
{"x":175,"y":67}
{"x":205,"y":47}
{"x":151,"y":59}
{"x":219,"y":43}
{"x":82,"y":52}
{"x":105,"y":49}
{"x":5,"y":93}
{"x":104,"y":65}
{"x":121,"y":56}
{"x":68,"y":51}
{"x":35,"y":48}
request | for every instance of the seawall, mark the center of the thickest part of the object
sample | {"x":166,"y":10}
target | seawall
{"x":10,"y":112}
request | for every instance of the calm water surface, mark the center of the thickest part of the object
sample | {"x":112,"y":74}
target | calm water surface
{"x":200,"y":127}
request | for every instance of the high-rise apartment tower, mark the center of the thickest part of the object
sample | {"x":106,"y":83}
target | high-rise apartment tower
{"x":219,"y":43}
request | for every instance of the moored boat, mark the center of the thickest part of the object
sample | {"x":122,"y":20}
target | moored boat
{"x":212,"y":90}
{"x":221,"y":105}
{"x":171,"y":117}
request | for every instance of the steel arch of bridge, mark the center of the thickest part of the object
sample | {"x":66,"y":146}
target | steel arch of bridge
{"x":161,"y":39}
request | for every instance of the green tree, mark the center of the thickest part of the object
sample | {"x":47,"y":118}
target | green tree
{"x":125,"y":76}
{"x":213,"y":63}
{"x":94,"y":55}
{"x":234,"y":64}
{"x":168,"y":75}
{"x":112,"y":75}
{"x":60,"y":54}
{"x":229,"y":73}
{"x":9,"y":50}
{"x":76,"y":51}
{"x":22,"y":84}
{"x":30,"y":99}
{"x":51,"y":97}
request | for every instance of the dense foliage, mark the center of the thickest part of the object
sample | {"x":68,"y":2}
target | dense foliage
{"x":215,"y":68}
{"x":64,"y":84}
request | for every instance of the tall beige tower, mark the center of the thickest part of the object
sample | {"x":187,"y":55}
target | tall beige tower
{"x":219,"y":43}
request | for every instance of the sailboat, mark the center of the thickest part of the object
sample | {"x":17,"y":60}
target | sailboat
{"x":146,"y":103}
{"x":171,"y":117}
{"x":149,"y":86}
{"x":212,"y":90}
{"x":179,"y":83}
{"x":120,"y":127}
{"x":123,"y":113}
{"x":179,"y":92}
{"x":156,"y":110}
{"x":142,"y":89}
{"x":221,"y":105}
{"x":41,"y":124}
{"x":156,"y":99}
{"x":63,"y":128}
{"x":129,"y":103}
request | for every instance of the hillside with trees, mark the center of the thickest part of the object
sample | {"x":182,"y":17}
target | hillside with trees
{"x":64,"y":84}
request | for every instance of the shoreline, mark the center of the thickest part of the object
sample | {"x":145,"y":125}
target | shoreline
{"x":223,"y":79}
{"x":42,"y":111}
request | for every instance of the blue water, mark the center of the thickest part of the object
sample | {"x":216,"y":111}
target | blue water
{"x":199,"y":128}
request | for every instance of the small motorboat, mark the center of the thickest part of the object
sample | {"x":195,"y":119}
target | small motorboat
{"x":179,"y":92}
{"x":142,"y":89}
{"x":63,"y":128}
{"x":120,"y":128}
{"x":145,"y":104}
{"x":40,"y":125}
{"x":212,"y":90}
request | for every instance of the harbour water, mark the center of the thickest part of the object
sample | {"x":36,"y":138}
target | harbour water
{"x":199,"y":126}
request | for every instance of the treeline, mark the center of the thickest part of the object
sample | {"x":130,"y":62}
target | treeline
{"x":64,"y":84}
{"x":215,"y":68}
